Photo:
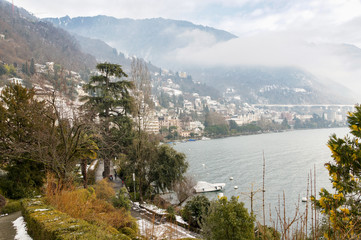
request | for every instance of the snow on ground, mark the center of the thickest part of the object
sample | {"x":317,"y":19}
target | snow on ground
{"x":154,"y":209}
{"x":162,"y":231}
{"x":21,"y":230}
{"x":180,"y":220}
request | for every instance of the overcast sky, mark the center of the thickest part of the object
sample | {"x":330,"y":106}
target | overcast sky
{"x":271,"y":32}
{"x":241,"y":17}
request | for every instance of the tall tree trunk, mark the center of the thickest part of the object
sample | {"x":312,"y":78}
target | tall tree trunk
{"x":84,"y":173}
{"x":106,"y":167}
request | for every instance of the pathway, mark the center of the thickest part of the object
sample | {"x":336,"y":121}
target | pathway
{"x":7,"y":230}
{"x":117,"y":183}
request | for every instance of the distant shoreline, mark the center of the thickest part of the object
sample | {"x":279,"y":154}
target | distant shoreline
{"x":244,"y":134}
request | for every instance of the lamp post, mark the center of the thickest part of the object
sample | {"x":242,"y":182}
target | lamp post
{"x":134,"y":185}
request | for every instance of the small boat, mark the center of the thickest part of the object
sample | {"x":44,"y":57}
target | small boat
{"x":205,"y":139}
{"x":230,"y":178}
{"x":304,"y":199}
{"x":235,"y":187}
{"x":208,"y":187}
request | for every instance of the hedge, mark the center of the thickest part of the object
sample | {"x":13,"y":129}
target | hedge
{"x":46,"y":223}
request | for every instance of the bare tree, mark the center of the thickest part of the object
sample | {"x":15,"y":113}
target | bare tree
{"x":184,"y":189}
{"x":143,"y":106}
{"x":62,"y":145}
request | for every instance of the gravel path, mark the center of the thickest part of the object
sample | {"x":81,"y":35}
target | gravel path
{"x":7,"y":230}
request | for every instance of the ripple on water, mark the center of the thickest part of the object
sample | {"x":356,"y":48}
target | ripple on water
{"x":289,"y":158}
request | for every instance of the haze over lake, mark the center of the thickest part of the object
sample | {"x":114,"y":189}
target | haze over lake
{"x":289,"y":158}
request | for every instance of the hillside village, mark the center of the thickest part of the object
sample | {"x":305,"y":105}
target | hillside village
{"x":180,"y":114}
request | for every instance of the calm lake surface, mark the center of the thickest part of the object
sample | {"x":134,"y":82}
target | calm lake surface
{"x":290,"y":156}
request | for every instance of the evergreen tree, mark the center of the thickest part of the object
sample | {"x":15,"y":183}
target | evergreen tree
{"x":195,"y":209}
{"x":20,"y":117}
{"x":167,"y":168}
{"x":112,"y":103}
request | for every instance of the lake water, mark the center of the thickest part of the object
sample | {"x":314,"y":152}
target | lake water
{"x":289,"y":156}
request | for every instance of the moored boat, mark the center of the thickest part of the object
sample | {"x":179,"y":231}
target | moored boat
{"x":203,"y":186}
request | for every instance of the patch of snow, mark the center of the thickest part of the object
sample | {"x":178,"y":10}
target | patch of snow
{"x":163,"y":231}
{"x":3,"y":215}
{"x":41,"y":210}
{"x":180,"y":220}
{"x":21,"y":230}
{"x":155,"y":209}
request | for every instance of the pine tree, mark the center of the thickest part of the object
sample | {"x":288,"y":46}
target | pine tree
{"x":112,"y":102}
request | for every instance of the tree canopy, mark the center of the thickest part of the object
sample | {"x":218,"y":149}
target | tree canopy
{"x":195,"y":209}
{"x":35,"y":138}
{"x":227,"y":220}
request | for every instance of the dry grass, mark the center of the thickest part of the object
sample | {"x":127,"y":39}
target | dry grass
{"x":89,"y":204}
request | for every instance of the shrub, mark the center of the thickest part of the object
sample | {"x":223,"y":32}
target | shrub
{"x":84,"y":204}
{"x":24,"y":179}
{"x":121,"y":200}
{"x":171,"y":214}
{"x":11,"y":207}
{"x":104,"y":190}
{"x":43,"y":222}
{"x":129,"y":232}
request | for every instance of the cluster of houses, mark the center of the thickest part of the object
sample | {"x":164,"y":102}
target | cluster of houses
{"x":187,"y":119}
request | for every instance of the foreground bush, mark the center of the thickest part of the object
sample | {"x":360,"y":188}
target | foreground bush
{"x":11,"y":206}
{"x":121,"y":200}
{"x":92,"y":205}
{"x":44,"y":222}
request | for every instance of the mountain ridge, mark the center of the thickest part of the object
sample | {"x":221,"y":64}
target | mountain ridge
{"x":27,"y":37}
{"x":256,"y":84}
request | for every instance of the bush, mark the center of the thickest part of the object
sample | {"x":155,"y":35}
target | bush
{"x":129,"y":232}
{"x":43,"y":222}
{"x":24,"y":179}
{"x":84,"y":204}
{"x":11,"y":207}
{"x":104,"y":190}
{"x":121,"y":200}
{"x":171,"y":214}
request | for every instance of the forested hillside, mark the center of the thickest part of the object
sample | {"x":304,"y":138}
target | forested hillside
{"x":26,"y":37}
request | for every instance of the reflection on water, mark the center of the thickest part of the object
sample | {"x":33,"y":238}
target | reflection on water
{"x":290,"y":156}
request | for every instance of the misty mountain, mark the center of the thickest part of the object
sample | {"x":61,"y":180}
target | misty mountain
{"x":151,"y":39}
{"x":157,"y":40}
{"x":27,"y":37}
{"x":271,"y":85}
